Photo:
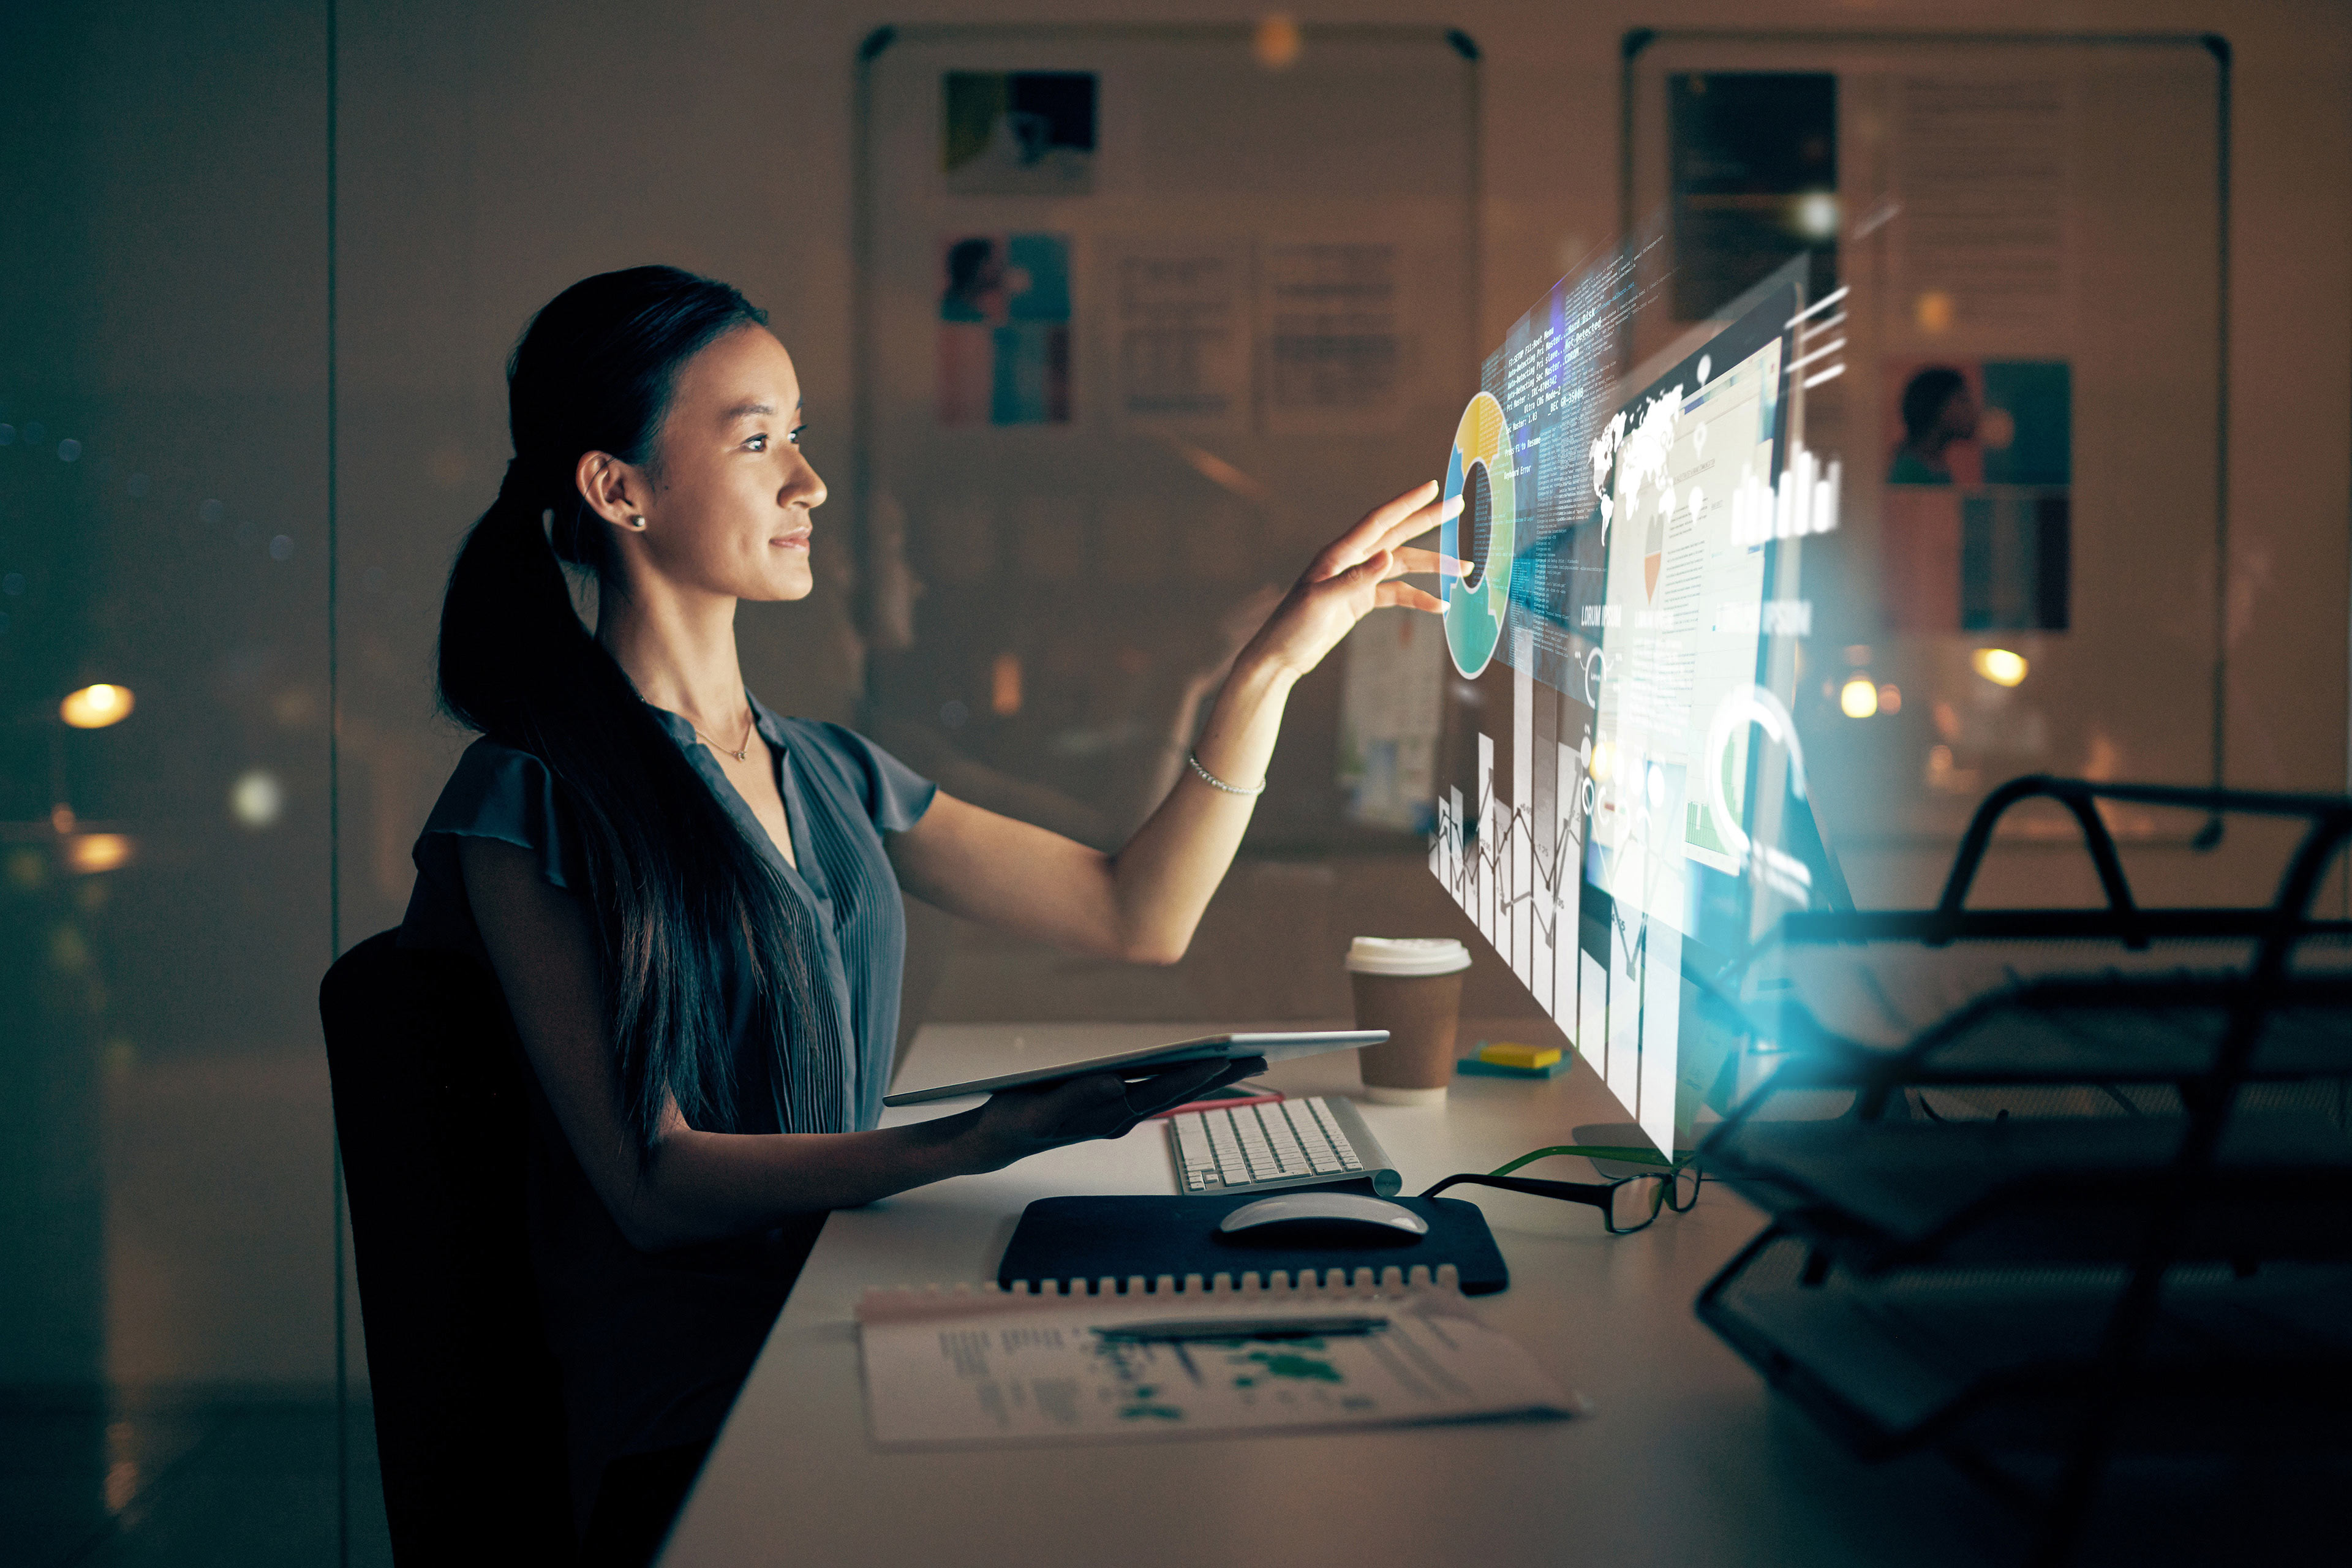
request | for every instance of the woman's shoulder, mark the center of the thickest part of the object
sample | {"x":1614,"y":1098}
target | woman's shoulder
{"x":501,"y":791}
{"x":491,"y":777}
{"x":890,"y":792}
{"x":498,"y":792}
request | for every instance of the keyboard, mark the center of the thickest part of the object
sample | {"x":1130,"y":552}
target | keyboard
{"x":1288,"y":1144}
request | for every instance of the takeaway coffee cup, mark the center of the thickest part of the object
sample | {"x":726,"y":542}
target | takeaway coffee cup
{"x":1411,"y":986}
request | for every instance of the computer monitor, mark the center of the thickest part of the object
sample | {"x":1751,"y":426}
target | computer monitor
{"x":1641,"y":813}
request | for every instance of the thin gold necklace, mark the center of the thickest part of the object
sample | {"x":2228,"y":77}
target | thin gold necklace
{"x":740,"y":754}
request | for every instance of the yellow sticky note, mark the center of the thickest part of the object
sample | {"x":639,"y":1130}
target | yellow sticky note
{"x":1502,"y":1053}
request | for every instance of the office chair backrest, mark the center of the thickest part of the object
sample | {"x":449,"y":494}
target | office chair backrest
{"x":431,"y":1110}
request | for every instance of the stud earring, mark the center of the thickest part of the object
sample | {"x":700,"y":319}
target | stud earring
{"x":638,"y":523}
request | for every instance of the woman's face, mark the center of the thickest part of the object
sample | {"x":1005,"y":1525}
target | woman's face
{"x":1957,"y":421}
{"x":727,"y":507}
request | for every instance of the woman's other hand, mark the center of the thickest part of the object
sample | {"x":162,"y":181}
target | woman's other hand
{"x":1018,"y":1122}
{"x":1355,"y":575}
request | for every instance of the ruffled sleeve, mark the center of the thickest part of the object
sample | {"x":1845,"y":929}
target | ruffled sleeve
{"x":895,"y":795}
{"x":496,"y":793}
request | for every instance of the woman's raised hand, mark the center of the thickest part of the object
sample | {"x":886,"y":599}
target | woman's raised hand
{"x":1355,"y":575}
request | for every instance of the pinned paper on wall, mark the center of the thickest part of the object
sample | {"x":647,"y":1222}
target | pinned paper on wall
{"x":1391,"y":709}
{"x":1333,"y":319}
{"x":1978,"y":499}
{"x":1017,"y":133}
{"x":1982,"y":167}
{"x":1183,"y":340}
{"x":1004,"y":330}
{"x":1754,"y":182}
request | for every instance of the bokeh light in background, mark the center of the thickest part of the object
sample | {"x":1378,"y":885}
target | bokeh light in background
{"x":1998,"y":665}
{"x":95,"y":707}
{"x":1933,"y":310}
{"x":1004,"y":684}
{"x":1858,"y":699}
{"x":256,"y":799}
{"x":1276,"y":42}
{"x":87,"y":853}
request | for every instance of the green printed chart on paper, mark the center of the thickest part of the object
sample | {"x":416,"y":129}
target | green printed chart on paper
{"x":1041,"y":1369}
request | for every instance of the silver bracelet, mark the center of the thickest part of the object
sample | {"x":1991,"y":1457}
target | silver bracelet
{"x":1214,"y":782}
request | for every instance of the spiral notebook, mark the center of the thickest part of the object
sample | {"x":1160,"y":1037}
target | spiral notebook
{"x":989,"y":1366}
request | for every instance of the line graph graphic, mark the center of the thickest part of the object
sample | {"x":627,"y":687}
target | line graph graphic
{"x":1520,"y":880}
{"x":1514,"y":858}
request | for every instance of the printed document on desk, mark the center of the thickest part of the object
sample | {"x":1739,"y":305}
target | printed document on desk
{"x":993,"y":1367}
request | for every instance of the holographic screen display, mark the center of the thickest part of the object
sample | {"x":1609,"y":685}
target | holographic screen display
{"x":1627,"y":801}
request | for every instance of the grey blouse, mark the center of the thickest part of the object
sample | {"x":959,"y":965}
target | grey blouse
{"x":842,"y":793}
{"x":653,"y":1346}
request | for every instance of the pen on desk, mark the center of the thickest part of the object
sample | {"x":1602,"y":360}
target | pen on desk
{"x":1178,"y":1330}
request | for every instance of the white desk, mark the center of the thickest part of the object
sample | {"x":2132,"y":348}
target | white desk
{"x":1686,"y":1459}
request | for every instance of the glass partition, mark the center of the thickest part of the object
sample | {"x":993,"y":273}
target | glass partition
{"x":167,"y":1216}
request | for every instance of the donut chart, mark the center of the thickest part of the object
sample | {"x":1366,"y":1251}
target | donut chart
{"x":1476,"y":602}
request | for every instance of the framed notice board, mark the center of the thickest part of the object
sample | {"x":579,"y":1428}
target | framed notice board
{"x":2027,"y":394}
{"x":1144,"y":316}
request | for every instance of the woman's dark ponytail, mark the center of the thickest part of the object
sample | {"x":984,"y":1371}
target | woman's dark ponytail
{"x":677,"y":895}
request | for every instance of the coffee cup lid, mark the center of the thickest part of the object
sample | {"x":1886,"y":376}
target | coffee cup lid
{"x":1407,"y":955}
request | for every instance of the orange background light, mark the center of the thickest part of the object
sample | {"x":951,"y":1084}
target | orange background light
{"x":95,"y":707}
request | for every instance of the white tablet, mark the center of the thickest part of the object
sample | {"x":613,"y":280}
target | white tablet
{"x":1157,"y":1058}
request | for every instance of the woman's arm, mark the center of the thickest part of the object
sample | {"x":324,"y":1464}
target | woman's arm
{"x":1142,"y":903}
{"x":701,"y":1186}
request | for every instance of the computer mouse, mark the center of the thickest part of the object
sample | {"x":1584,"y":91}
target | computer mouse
{"x":1325,"y":1210}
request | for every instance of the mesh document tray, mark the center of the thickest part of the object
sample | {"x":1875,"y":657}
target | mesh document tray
{"x":1885,"y":1194}
{"x":2104,"y":1027}
{"x":1999,"y":1358}
{"x":2083,"y":1182}
{"x":2042,"y":1118}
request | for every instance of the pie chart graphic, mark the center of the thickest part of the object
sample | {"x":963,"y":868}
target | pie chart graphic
{"x":1479,"y":472}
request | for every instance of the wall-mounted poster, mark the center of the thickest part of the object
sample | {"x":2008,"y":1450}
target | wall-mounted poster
{"x":1391,"y":708}
{"x":1332,"y":319}
{"x":1754,"y":161}
{"x":1004,"y":329}
{"x":1983,"y":168}
{"x":1980,"y":471}
{"x":1182,"y":354}
{"x":1017,"y":133}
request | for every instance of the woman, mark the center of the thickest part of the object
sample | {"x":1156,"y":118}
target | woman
{"x":693,"y":906}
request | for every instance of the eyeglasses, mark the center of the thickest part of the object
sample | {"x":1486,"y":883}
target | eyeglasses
{"x":1627,"y":1204}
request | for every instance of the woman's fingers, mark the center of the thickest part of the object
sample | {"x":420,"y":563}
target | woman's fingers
{"x":1424,"y":518}
{"x":1163,"y":1091}
{"x":1384,"y":517}
{"x":1189,"y":1086}
{"x":1410,"y":598}
{"x":1375,"y":532}
{"x":1420,"y":521}
{"x":1430,"y":560}
{"x":1239,"y":1068}
{"x":1175,"y":1086}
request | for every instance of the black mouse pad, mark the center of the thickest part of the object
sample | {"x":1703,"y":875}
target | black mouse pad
{"x":1119,"y":1238}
